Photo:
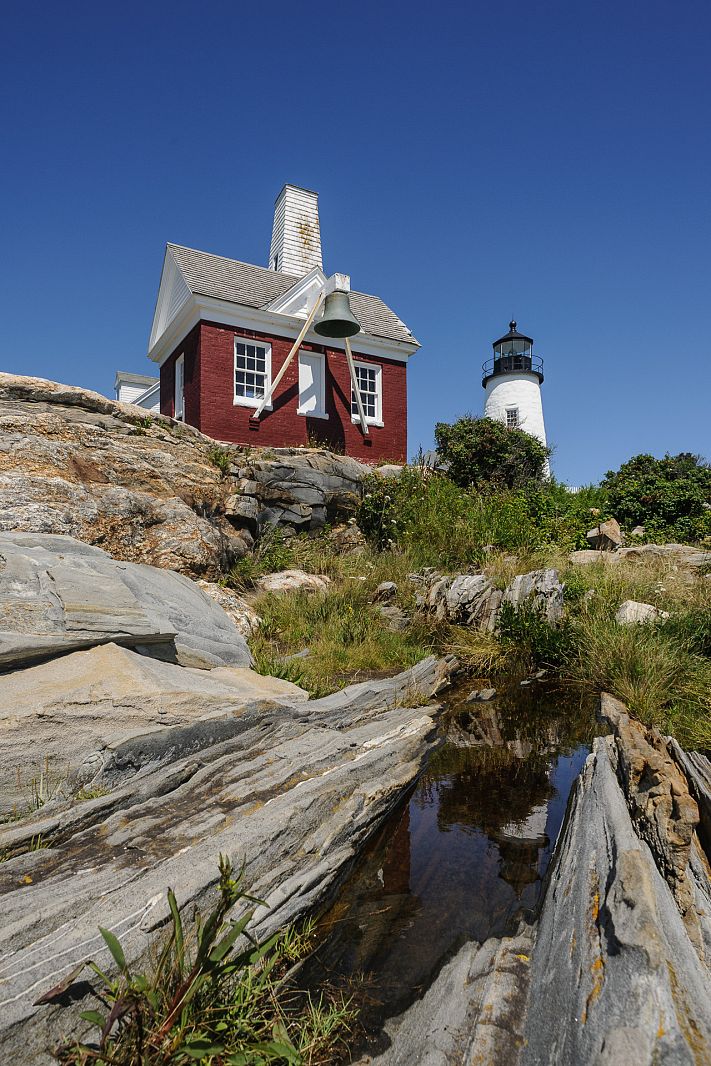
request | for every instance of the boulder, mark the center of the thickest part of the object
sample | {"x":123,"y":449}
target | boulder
{"x":542,"y":589}
{"x":605,"y":537}
{"x":293,"y":581}
{"x":631,"y":612}
{"x":292,"y":792}
{"x":396,"y":620}
{"x":103,"y":698}
{"x":58,"y":595}
{"x":385,"y":592}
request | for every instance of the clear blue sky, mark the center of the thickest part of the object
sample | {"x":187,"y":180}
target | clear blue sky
{"x":549,"y":160}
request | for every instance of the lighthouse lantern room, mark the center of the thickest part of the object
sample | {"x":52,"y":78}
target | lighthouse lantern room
{"x":512,"y":380}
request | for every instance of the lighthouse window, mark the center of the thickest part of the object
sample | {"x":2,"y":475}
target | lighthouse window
{"x":368,"y":378}
{"x":512,"y":417}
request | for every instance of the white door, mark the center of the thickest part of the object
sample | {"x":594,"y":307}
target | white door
{"x":312,"y":384}
{"x":179,"y":387}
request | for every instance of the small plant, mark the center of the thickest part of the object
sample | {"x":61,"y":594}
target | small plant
{"x":272,"y":552}
{"x":208,"y":998}
{"x":221,"y":458}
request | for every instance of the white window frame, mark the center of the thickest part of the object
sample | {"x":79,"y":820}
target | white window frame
{"x":513,"y":411}
{"x":321,"y":410}
{"x":378,"y":420}
{"x":179,"y":375}
{"x":252,"y":401}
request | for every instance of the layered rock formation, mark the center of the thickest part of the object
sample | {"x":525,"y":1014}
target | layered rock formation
{"x":149,"y":489}
{"x":292,"y":791}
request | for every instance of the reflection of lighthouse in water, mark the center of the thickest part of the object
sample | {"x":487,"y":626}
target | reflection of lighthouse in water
{"x":519,"y":845}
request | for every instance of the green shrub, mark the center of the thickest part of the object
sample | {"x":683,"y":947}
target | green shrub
{"x":483,"y":452}
{"x":667,"y":496}
{"x":536,"y":642}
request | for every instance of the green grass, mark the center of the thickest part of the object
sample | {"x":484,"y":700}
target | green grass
{"x":211,"y":994}
{"x":346,"y":637}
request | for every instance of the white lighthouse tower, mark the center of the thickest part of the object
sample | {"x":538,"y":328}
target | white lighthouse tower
{"x":512,"y":380}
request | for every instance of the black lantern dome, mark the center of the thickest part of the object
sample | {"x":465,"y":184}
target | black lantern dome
{"x":513,"y":354}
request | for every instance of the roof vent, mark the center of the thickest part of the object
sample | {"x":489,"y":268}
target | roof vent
{"x":296,"y":236}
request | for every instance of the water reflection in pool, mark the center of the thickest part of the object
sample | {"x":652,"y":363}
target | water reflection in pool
{"x":463,"y":858}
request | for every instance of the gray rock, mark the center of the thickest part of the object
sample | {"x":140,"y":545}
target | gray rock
{"x":615,"y":977}
{"x":394,"y":617}
{"x":481,"y":695}
{"x":542,"y":588}
{"x":697,"y":769}
{"x":472,"y":1013}
{"x":292,"y":793}
{"x":58,"y":595}
{"x":683,"y":555}
{"x":103,"y":698}
{"x":385,"y":592}
{"x":638,"y":531}
{"x":605,"y":537}
{"x":631,"y":612}
{"x":586,"y":557}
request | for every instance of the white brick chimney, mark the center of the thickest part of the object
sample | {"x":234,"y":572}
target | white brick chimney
{"x":296,"y":236}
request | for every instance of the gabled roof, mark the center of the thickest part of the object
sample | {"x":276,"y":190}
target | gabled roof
{"x":254,"y":286}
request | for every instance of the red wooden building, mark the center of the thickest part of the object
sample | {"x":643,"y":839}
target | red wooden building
{"x":223,"y":329}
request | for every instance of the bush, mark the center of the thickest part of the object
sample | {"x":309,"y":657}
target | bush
{"x":482,"y":452}
{"x":667,"y":496}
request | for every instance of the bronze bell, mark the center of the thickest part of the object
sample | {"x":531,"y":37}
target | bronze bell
{"x":337,"y":319}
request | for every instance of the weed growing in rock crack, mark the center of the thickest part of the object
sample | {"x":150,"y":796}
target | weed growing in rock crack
{"x":213,"y":995}
{"x":220,"y":458}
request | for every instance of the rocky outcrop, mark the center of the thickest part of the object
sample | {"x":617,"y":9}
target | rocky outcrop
{"x":58,"y":595}
{"x":149,"y":489}
{"x":292,"y":792}
{"x":474,"y":600}
{"x":295,"y":487}
{"x":541,"y":589}
{"x":103,"y":699}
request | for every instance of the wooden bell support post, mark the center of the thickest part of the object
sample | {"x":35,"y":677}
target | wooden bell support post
{"x":337,"y":322}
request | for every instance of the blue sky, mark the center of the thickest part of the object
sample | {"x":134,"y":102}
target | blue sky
{"x":548,"y":160}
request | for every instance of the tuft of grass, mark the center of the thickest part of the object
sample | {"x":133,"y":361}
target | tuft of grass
{"x":659,"y":676}
{"x":347,"y":638}
{"x":213,"y":994}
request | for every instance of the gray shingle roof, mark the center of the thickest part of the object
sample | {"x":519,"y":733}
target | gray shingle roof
{"x":254,"y":286}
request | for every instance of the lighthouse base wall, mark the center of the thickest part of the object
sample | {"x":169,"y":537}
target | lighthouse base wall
{"x":522,"y":391}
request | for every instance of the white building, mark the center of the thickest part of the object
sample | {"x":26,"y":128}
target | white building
{"x":139,"y":389}
{"x":512,"y":380}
